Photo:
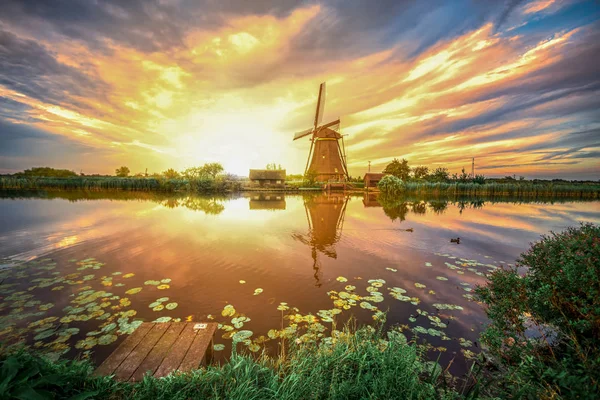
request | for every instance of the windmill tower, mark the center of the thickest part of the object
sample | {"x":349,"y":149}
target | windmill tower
{"x":326,"y":156}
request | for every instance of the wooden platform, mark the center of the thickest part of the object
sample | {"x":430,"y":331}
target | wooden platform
{"x":160,"y":348}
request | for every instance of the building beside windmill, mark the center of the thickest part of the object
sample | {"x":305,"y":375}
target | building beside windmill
{"x":327,"y":153}
{"x":371,"y":179}
{"x":274,"y":178}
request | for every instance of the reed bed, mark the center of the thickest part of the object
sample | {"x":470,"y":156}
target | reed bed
{"x":114,"y":183}
{"x":514,"y":190}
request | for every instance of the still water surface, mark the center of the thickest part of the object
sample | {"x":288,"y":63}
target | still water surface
{"x":74,"y":265}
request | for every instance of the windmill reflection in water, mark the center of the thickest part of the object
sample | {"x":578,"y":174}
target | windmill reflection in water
{"x":325,"y":216}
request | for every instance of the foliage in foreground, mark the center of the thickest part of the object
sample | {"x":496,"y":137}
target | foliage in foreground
{"x":351,"y":366}
{"x":545,"y":326}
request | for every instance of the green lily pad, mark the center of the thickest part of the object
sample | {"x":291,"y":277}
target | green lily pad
{"x":241,"y":336}
{"x":171,"y":306}
{"x":107,"y":339}
{"x":134,"y":290}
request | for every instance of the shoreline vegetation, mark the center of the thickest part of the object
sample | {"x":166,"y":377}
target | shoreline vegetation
{"x":517,"y":189}
{"x":541,"y":342}
{"x":401,"y":180}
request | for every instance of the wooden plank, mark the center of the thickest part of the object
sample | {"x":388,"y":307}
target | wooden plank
{"x":161,"y":348}
{"x":197,"y":351}
{"x":173,"y":359}
{"x":139,"y":353}
{"x":113,"y":361}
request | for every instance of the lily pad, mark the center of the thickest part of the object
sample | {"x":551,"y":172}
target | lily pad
{"x":134,"y":290}
{"x":241,"y":336}
{"x":228,"y":311}
{"x":219,"y":347}
{"x":171,"y":306}
{"x":163,"y":287}
{"x":341,"y":279}
{"x":107,"y":339}
{"x":258,"y":291}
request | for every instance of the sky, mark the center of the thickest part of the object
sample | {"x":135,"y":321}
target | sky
{"x":93,"y":85}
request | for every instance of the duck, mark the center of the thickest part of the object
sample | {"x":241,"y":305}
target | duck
{"x":457,"y":240}
{"x":409,"y":230}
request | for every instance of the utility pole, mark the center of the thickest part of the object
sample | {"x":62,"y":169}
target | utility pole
{"x":369,"y":166}
{"x":473,"y":168}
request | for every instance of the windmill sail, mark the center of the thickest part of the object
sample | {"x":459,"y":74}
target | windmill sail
{"x":299,"y":135}
{"x":320,"y":105}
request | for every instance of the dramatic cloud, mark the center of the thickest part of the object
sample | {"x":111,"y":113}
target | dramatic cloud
{"x":175,"y":83}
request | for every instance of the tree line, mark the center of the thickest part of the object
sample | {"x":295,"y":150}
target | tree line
{"x":401,"y":169}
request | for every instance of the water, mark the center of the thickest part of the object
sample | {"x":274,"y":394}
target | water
{"x":295,"y":248}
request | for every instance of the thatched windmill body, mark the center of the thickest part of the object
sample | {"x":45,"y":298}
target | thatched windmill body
{"x":327,"y":154}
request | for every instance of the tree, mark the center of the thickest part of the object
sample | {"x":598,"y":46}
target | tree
{"x":171,"y":174}
{"x":399,"y":169}
{"x":480,"y":179}
{"x":122,"y":172}
{"x":439,"y":175}
{"x":310,"y":177}
{"x":212,"y":169}
{"x":420,"y":172}
{"x":46,"y":172}
{"x":273,"y":166}
{"x":463,"y":177}
{"x":207,"y":171}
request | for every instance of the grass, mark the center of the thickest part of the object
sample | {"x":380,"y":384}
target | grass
{"x":114,"y":183}
{"x":356,"y":364}
{"x":515,"y":190}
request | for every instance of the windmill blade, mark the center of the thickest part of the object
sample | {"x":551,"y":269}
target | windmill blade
{"x":299,"y":135}
{"x":320,"y":105}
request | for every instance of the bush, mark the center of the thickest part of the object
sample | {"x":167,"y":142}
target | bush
{"x":390,"y":184}
{"x":545,"y":324}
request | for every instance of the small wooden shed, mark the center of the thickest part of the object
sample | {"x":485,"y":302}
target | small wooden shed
{"x":371,"y":179}
{"x":267,"y":177}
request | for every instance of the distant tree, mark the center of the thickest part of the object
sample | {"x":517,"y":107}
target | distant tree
{"x":310,"y":177}
{"x":207,"y":171}
{"x":463,"y":177}
{"x":122,"y":172}
{"x":171,"y":174}
{"x":439,"y":175}
{"x":273,"y":166}
{"x":46,"y":172}
{"x":420,"y":172}
{"x":212,"y":169}
{"x":479,"y":179}
{"x":399,"y":169}
{"x":521,"y":178}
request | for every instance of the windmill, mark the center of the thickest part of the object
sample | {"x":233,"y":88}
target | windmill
{"x":326,"y":156}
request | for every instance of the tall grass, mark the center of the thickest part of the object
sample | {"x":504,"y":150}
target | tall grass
{"x":515,"y":190}
{"x":114,"y":183}
{"x":360,"y":365}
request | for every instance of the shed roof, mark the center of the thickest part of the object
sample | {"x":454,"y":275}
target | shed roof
{"x":276,"y":174}
{"x":374,"y":175}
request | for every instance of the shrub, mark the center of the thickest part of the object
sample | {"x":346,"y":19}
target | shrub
{"x":390,"y":184}
{"x":545,"y":324}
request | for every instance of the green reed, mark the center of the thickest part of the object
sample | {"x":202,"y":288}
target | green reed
{"x":515,"y":190}
{"x":115,"y":183}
